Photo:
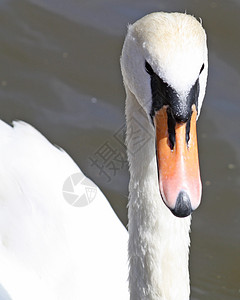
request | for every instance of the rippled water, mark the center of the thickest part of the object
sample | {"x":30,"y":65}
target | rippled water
{"x":59,"y":71}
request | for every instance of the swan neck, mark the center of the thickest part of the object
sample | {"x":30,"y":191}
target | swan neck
{"x":158,"y":241}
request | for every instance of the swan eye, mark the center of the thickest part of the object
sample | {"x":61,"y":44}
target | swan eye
{"x":149,"y":69}
{"x":202,"y":67}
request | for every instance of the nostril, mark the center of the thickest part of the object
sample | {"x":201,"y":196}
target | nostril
{"x":188,"y":131}
{"x":183,"y":207}
{"x":171,"y":129}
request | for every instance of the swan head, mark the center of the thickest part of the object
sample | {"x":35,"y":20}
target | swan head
{"x":164,"y":65}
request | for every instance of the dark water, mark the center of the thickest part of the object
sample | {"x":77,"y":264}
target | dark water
{"x":59,"y":71}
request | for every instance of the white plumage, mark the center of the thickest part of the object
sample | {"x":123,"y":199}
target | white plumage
{"x":52,"y":250}
{"x":175,"y":46}
{"x":48,"y":248}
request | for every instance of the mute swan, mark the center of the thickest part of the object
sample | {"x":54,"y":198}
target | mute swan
{"x":52,"y":250}
{"x":164,"y":66}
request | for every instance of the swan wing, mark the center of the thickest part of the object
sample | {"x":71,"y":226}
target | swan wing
{"x":50,"y":249}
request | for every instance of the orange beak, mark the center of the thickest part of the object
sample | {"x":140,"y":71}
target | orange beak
{"x":179,"y":175}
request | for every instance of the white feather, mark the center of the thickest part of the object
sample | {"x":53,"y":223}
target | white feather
{"x":175,"y":46}
{"x":48,"y":248}
{"x":52,"y":250}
